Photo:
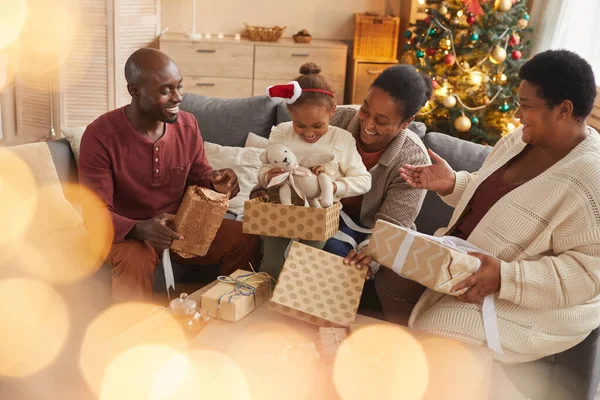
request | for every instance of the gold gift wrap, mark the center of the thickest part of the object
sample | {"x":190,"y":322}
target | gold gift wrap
{"x":198,"y":219}
{"x":223,"y":301}
{"x":317,"y":287}
{"x":428,"y":262}
{"x":289,"y":221}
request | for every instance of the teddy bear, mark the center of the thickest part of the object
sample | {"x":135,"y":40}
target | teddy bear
{"x":316,"y":190}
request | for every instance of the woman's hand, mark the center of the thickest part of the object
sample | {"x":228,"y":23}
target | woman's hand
{"x":482,"y":283}
{"x":273,"y":172}
{"x":360,"y":260}
{"x":262,"y":193}
{"x":317,"y":170}
{"x":438,"y":177}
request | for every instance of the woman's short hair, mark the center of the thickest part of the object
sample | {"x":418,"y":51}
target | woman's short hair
{"x":562,"y":75}
{"x":407,"y":86}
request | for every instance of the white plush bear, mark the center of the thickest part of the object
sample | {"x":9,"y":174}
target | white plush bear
{"x":316,"y":190}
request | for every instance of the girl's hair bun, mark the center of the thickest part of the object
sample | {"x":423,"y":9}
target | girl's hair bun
{"x":310,"y":68}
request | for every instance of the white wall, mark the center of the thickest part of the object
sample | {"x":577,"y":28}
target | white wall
{"x":324,"y":19}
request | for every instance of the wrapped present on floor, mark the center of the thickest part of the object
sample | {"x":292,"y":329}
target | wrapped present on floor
{"x":290,"y":221}
{"x":330,"y":340}
{"x":437,"y":263}
{"x":317,"y":287}
{"x":236,"y":295}
{"x":198,"y":219}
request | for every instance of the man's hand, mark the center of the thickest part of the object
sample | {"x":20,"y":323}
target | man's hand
{"x":156,"y":231}
{"x":360,"y":260}
{"x":482,"y":283}
{"x":225,"y":181}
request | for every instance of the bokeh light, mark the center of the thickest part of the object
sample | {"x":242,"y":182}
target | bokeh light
{"x":120,"y":328}
{"x":71,"y":251}
{"x":279,"y":361}
{"x":380,"y":362}
{"x":150,"y":372}
{"x":12,"y":19}
{"x":18,"y":199}
{"x":219,"y":377}
{"x":35,"y":325}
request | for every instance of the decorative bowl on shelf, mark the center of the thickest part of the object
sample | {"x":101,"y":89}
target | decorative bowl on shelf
{"x":264,"y":34}
{"x":302,"y":36}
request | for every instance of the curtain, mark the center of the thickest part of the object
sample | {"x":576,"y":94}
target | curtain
{"x":568,"y":24}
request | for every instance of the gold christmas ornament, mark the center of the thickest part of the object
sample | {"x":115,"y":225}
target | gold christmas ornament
{"x":445,"y":44}
{"x":443,"y":10}
{"x":462,"y":124}
{"x":408,"y":58}
{"x":503,"y":5}
{"x":498,"y":55}
{"x":450,"y":101}
{"x":465,"y":65}
{"x":454,"y":21}
{"x":499,"y":79}
{"x":522,"y":23}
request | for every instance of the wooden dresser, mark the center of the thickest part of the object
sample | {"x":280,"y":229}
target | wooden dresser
{"x":231,"y":68}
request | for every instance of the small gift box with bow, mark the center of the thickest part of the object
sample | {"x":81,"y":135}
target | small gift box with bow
{"x":439,"y":263}
{"x":236,"y":295}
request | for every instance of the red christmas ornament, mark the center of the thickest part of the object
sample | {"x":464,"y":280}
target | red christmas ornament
{"x":449,"y":59}
{"x":514,"y":40}
{"x":430,"y":51}
{"x":435,"y":84}
{"x":470,"y":20}
{"x":516,"y":55}
{"x":429,"y":19}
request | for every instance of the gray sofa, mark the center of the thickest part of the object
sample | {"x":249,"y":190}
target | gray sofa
{"x":227,"y":122}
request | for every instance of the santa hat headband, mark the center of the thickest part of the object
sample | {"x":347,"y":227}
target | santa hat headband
{"x":291,"y":92}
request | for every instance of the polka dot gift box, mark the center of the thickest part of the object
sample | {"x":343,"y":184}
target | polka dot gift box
{"x":317,"y":287}
{"x":287,"y":221}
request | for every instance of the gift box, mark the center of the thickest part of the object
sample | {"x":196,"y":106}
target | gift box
{"x":289,"y":221}
{"x":198,"y":219}
{"x":317,"y":287}
{"x":236,"y":295}
{"x":436,"y":263}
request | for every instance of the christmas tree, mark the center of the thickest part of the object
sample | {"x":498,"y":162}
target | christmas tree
{"x":472,"y":50}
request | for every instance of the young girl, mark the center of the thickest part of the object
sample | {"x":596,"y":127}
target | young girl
{"x":311,"y":103}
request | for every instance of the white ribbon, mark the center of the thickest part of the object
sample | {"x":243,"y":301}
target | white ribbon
{"x":488,"y":310}
{"x":298,"y":170}
{"x":168,"y":270}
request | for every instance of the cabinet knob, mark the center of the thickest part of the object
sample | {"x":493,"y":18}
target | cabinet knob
{"x":202,"y":84}
{"x":300,"y":55}
{"x":374,"y":71}
{"x":205,"y":51}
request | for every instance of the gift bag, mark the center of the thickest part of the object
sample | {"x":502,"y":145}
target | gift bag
{"x":199,"y":217}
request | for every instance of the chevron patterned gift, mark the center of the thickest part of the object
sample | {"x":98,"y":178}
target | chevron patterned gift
{"x":434,"y":262}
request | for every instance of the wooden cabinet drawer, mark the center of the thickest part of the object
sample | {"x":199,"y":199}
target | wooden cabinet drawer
{"x":261,"y":85}
{"x":226,"y":88}
{"x":364,"y":76}
{"x":283,"y":62}
{"x":210,"y":58}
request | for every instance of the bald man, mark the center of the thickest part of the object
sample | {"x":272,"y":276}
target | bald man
{"x":140,"y":159}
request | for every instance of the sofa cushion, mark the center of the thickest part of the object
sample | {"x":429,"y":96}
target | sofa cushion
{"x":246,"y":164}
{"x":283,"y":115}
{"x":256,"y":141}
{"x":73,"y":135}
{"x":462,"y":156}
{"x":228,"y":121}
{"x":64,"y":160}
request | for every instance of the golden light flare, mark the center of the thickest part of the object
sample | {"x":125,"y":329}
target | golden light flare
{"x":35,"y":325}
{"x":18,"y":199}
{"x":120,"y":328}
{"x":294,"y":369}
{"x":219,"y":377}
{"x":12,"y":19}
{"x":380,"y":362}
{"x":150,"y":372}
{"x":451,"y":368}
{"x":74,"y":251}
{"x":49,"y":35}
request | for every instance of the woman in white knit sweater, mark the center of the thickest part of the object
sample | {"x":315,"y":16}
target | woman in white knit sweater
{"x":535,"y":207}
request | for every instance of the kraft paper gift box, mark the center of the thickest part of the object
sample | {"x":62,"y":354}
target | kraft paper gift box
{"x":317,"y":287}
{"x":290,"y":221}
{"x":226,"y":302}
{"x":436,"y":263}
